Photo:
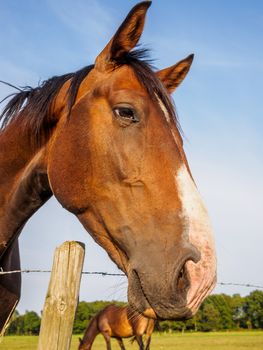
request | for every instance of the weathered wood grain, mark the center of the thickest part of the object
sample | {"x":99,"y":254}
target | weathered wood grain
{"x":62,"y":297}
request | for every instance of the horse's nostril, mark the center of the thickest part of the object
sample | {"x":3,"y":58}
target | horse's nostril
{"x":181,"y":273}
{"x":182,"y":282}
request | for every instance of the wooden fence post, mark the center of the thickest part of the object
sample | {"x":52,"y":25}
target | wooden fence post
{"x":62,"y":297}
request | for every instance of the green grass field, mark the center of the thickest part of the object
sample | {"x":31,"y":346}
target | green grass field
{"x":188,"y":341}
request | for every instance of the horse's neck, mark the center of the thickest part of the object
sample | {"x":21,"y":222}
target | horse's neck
{"x":23,"y":183}
{"x":91,"y":333}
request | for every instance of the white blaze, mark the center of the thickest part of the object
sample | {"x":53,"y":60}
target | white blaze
{"x":198,"y":229}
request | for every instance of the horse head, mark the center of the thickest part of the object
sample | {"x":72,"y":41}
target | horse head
{"x":117,"y":162}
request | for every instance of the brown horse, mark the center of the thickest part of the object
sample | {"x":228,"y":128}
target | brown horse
{"x":105,"y":141}
{"x":118,"y":322}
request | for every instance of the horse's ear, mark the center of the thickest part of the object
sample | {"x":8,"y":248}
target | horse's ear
{"x":80,"y":341}
{"x":172,"y":76}
{"x":126,"y":37}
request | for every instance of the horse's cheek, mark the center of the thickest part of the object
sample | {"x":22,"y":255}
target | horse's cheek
{"x":69,"y":170}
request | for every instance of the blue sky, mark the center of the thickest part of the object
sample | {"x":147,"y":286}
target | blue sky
{"x":219,"y":106}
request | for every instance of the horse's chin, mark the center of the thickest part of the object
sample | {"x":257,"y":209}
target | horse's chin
{"x":136,"y":297}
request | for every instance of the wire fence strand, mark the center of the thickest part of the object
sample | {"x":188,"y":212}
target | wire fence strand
{"x":101,"y":273}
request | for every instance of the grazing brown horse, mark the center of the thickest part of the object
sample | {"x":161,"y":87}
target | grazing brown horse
{"x":118,"y":322}
{"x":105,"y":141}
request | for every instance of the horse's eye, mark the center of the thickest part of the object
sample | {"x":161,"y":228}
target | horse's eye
{"x":126,"y":113}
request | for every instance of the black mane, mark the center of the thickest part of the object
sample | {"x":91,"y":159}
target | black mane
{"x":33,"y":104}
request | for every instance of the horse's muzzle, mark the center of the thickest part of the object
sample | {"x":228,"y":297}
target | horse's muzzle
{"x":165,"y":296}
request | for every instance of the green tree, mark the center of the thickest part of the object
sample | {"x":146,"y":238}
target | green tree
{"x":253,"y":308}
{"x":31,"y":323}
{"x":210,"y":319}
{"x":223,"y":304}
{"x":16,"y":324}
{"x":218,"y":311}
{"x":193,"y":323}
{"x":238,"y":313}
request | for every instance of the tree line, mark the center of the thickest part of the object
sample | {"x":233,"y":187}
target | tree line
{"x":218,"y":312}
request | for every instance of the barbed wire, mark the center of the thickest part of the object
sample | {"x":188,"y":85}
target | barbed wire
{"x":2,"y":272}
{"x":101,"y":273}
{"x":240,"y":285}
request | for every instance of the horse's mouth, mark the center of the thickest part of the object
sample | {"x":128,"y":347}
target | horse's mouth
{"x":137,"y":298}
